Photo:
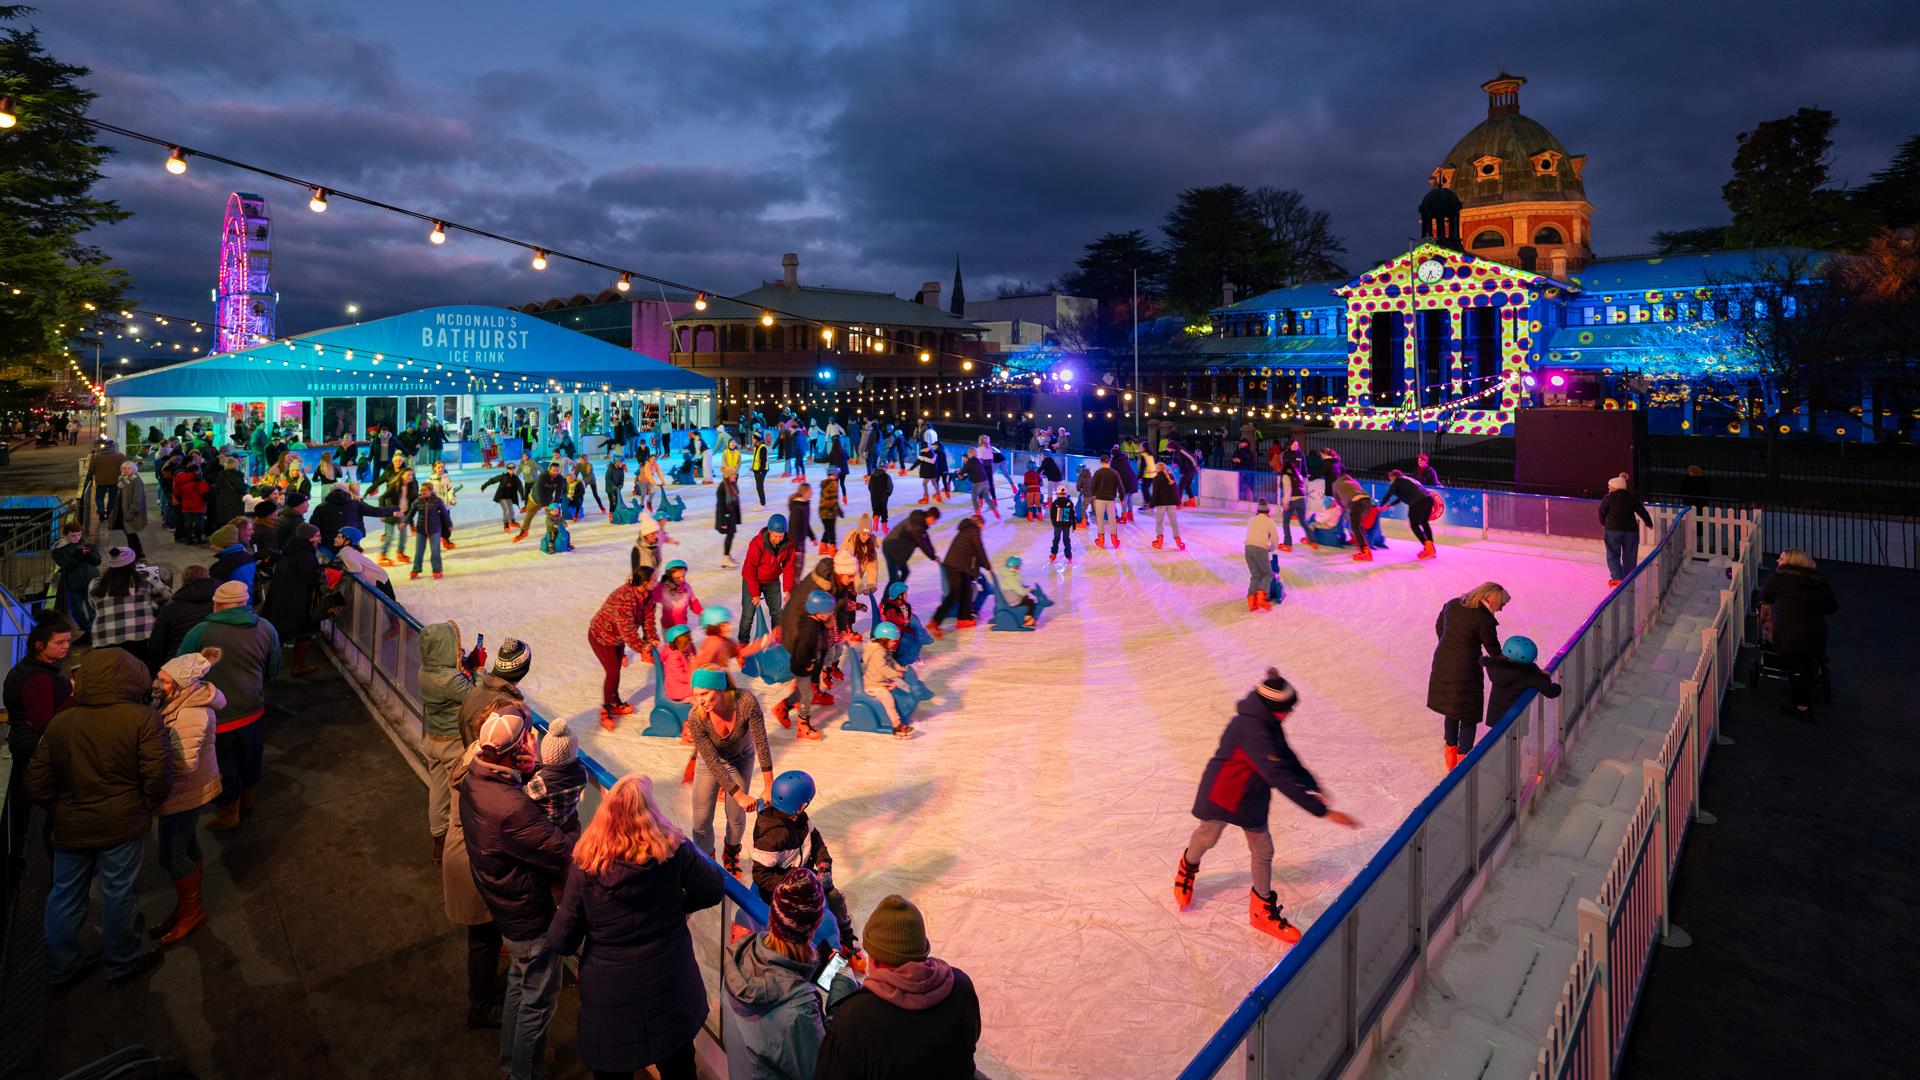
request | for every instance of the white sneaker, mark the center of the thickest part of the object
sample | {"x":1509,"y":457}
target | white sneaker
{"x":725,"y":561}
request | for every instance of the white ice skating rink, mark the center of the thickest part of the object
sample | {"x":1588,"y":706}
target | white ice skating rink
{"x":1037,"y":815}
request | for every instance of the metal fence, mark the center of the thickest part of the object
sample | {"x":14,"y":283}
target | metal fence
{"x":1314,"y":1014}
{"x":28,"y":528}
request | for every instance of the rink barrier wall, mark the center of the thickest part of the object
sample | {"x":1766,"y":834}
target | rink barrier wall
{"x":1619,"y":928}
{"x":375,"y":643}
{"x":1324,"y":1010}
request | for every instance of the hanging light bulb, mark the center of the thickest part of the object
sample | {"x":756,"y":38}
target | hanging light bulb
{"x":7,"y":119}
{"x":625,"y":282}
{"x":539,"y":258}
{"x":966,"y":365}
{"x":439,"y":234}
{"x":176,"y":161}
{"x":926,"y":357}
{"x":699,"y":301}
{"x":318,"y":204}
{"x":766,"y":318}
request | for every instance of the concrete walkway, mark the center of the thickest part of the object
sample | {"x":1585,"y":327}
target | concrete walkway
{"x":328,"y":952}
{"x":1801,"y":901}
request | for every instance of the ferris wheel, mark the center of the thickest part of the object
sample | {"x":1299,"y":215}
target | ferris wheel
{"x":243,"y":301}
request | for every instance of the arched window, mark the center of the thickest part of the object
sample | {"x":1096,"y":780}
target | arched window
{"x":1488,"y":238}
{"x":1547,"y":235}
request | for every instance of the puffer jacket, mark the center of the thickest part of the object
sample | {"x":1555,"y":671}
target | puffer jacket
{"x":1454,"y":685}
{"x":102,"y":764}
{"x":188,"y":716}
{"x":1801,"y":601}
{"x":516,"y":852}
{"x":777,"y":1023}
{"x":443,"y":685}
{"x":1253,"y":758}
{"x":966,"y":553}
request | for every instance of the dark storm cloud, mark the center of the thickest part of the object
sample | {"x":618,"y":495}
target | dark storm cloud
{"x":879,"y":140}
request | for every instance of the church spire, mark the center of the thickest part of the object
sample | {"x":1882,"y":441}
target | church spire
{"x":958,"y":306}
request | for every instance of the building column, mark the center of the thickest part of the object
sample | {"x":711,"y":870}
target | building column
{"x":1456,"y":349}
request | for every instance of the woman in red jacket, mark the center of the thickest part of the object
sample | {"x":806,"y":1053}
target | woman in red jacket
{"x":190,"y":495}
{"x":624,"y":621}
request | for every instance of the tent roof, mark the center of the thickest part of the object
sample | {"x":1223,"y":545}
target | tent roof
{"x":443,"y":350}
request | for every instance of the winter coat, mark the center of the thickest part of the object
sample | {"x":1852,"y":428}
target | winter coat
{"x":1252,"y":759}
{"x":920,"y":1020}
{"x":1163,"y":489}
{"x":1802,"y":600}
{"x":289,"y":603}
{"x":726,"y":506}
{"x":767,"y":562}
{"x":103,"y":467}
{"x":550,"y":488}
{"x":795,"y":611}
{"x":966,"y":553}
{"x":77,"y":563}
{"x":489,"y":690}
{"x":1050,"y":470}
{"x":1106,"y":484}
{"x":188,"y":717}
{"x":233,"y":563}
{"x":35,"y":692}
{"x":443,"y":684}
{"x":1406,"y":490}
{"x":800,"y":521}
{"x":900,"y":544}
{"x":516,"y":852}
{"x":829,"y":499}
{"x":102,"y":764}
{"x":1618,"y":509}
{"x":229,"y":494}
{"x":430,"y":517}
{"x":1123,"y":466}
{"x":1454,"y":687}
{"x":457,"y":890}
{"x":625,"y":618}
{"x":879,"y":487}
{"x":339,"y":510}
{"x":641,"y":994}
{"x":191,"y":603}
{"x":131,"y":510}
{"x":511,"y":490}
{"x":1509,"y":679}
{"x":249,"y":656}
{"x":775,"y":1019}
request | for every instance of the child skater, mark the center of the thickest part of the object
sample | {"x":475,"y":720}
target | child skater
{"x":800,"y":517}
{"x":557,"y":783}
{"x":509,"y":496}
{"x":1253,"y":758}
{"x":784,"y":839}
{"x":1014,"y":588}
{"x":1082,"y":493}
{"x":808,"y":653}
{"x":673,"y":594}
{"x":884,"y":675}
{"x":929,"y":472}
{"x":1512,"y":673}
{"x":829,"y":513}
{"x":1060,"y":514}
{"x":879,"y":490}
{"x":1031,"y":481}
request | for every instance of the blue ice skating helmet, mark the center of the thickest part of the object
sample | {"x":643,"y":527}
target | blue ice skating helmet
{"x":715,"y":616}
{"x":677,"y":564}
{"x":896,"y":590}
{"x":353,"y":535}
{"x":886,"y":631}
{"x":820,"y":603}
{"x":1520,"y":649}
{"x":792,"y":791}
{"x":777,"y":523}
{"x":676,"y":632}
{"x":1013,"y":562}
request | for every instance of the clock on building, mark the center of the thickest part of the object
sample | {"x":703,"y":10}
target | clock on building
{"x":1429,"y":270}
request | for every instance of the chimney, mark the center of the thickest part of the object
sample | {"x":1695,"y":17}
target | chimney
{"x":790,"y":270}
{"x":1529,"y":258}
{"x":1226,"y":293}
{"x":930,"y":295}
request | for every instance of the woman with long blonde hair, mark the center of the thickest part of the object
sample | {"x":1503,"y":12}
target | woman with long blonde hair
{"x":632,"y":883}
{"x":1456,"y":687}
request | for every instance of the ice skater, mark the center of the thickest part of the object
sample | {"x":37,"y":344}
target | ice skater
{"x":1163,"y":494}
{"x":508,"y":496}
{"x":1061,"y":515}
{"x":1360,"y":512}
{"x":624,"y":622}
{"x":1105,"y":490}
{"x":1253,"y":759}
{"x":1260,"y":545}
{"x":785,"y":840}
{"x":1466,"y":627}
{"x":1420,"y":503}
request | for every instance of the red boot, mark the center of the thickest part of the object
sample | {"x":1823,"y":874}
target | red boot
{"x":189,"y":913}
{"x":1253,"y":601}
{"x":822,"y":699}
{"x":1363,"y":555}
{"x":807,"y":732}
{"x":780,"y":714}
{"x":1286,"y":547}
{"x":965,"y":624}
{"x":1156,"y":543}
{"x":1426,"y":551}
{"x":1183,"y":883}
{"x":1179,"y":543}
{"x":1100,"y":541}
{"x":1264,"y":913}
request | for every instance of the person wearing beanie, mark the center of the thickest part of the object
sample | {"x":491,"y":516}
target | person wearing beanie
{"x":631,"y":883}
{"x":775,"y":1022}
{"x":914,"y":1015}
{"x":560,"y":778}
{"x":517,"y":856}
{"x":498,"y":687}
{"x":1262,"y":541}
{"x":126,"y":603}
{"x":1618,"y":509}
{"x":1252,"y":760}
{"x":187,"y":706}
{"x":249,"y":658}
{"x":768,"y":569}
{"x":233,"y":558}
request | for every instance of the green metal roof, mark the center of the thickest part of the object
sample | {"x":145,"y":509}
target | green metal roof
{"x":1320,"y":351}
{"x":1515,"y":140}
{"x":1314,"y":294}
{"x":838,"y":307}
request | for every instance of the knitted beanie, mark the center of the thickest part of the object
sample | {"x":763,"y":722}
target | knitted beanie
{"x":118,"y":557}
{"x":223,"y":538}
{"x":189,"y":668}
{"x":231,"y":593}
{"x":895,"y":933}
{"x":1278,"y":692}
{"x":1618,"y":483}
{"x":845,"y":564}
{"x":559,"y":746}
{"x":515,"y":658}
{"x":797,"y":903}
{"x":265,"y":508}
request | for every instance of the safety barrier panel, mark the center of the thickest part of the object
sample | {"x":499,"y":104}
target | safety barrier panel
{"x":1320,"y":1011}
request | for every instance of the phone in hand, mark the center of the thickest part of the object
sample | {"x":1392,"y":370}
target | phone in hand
{"x":479,"y":641}
{"x":833,"y":964}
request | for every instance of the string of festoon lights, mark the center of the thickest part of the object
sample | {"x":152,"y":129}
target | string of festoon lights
{"x":1496,"y":384}
{"x":322,"y":194}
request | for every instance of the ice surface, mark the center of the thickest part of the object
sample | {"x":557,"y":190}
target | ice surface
{"x":1037,"y":817}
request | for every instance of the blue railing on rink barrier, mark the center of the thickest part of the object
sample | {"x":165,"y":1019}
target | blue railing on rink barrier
{"x":376,"y":641}
{"x":1358,"y":955}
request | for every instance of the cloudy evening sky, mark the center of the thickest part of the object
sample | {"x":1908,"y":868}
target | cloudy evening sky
{"x":879,"y":140}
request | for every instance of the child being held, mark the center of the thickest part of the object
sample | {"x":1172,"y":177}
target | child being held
{"x":556,"y":785}
{"x":1512,"y":673}
{"x":783,"y":839}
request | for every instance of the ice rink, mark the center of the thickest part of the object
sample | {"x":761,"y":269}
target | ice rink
{"x":1037,"y":815}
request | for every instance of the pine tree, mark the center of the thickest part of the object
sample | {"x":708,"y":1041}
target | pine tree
{"x":1779,"y":193}
{"x":1893,"y":193}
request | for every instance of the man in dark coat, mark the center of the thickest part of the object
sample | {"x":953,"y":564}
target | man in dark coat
{"x":192,"y":602}
{"x":1795,"y":603}
{"x":102,"y":768}
{"x":1253,"y":759}
{"x":1466,"y":629}
{"x":549,"y":488}
{"x":914,"y":1015}
{"x":289,"y":604}
{"x":1618,"y":508}
{"x":911,"y":536}
{"x":343,"y":507}
{"x":965,"y":556}
{"x":517,"y":855}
